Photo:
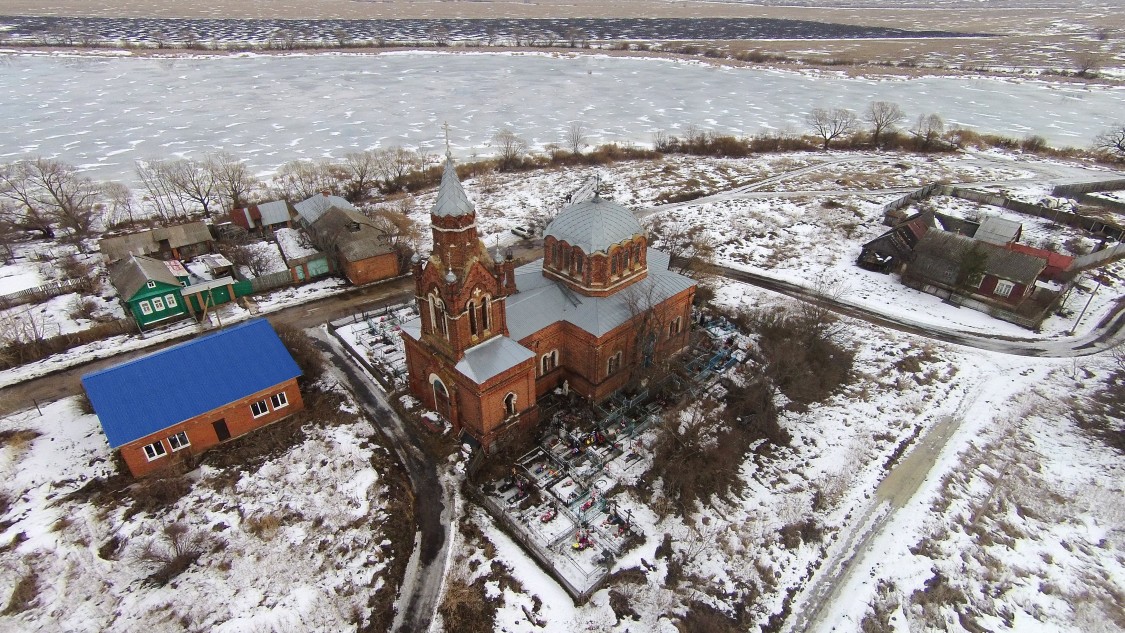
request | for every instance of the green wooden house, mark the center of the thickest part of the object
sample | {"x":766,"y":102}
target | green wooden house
{"x":150,"y":288}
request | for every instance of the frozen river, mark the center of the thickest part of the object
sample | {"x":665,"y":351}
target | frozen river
{"x":104,"y":113}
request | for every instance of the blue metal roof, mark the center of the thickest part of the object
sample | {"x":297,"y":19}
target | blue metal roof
{"x":154,"y":392}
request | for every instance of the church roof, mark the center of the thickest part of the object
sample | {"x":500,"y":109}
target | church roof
{"x":451,"y":199}
{"x":492,"y":357}
{"x":594,"y":225}
{"x":542,"y":301}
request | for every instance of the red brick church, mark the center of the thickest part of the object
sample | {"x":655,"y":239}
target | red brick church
{"x":491,"y":338}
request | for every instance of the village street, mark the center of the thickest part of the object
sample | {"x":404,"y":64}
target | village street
{"x":434,"y":507}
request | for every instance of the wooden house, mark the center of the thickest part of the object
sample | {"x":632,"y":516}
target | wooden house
{"x":150,"y":289}
{"x":167,"y":407}
{"x":268,"y":216}
{"x":167,"y":242}
{"x":363,"y":251}
{"x":943,"y":263}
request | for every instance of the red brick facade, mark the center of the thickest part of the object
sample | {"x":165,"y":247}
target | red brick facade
{"x":203,"y":430}
{"x":375,"y":268}
{"x":462,"y":293}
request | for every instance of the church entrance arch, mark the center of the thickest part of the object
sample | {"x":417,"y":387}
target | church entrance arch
{"x":441,"y":397}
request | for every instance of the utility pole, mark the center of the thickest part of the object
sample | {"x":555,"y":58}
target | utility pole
{"x":1097,"y":284}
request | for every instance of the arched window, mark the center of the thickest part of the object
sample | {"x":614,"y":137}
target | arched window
{"x":485,"y":310}
{"x":613,"y":365}
{"x":613,"y":264}
{"x":441,"y":396}
{"x":471,"y":308}
{"x":566,"y":259}
{"x":555,"y":254}
{"x":510,"y":404}
{"x":579,"y":263}
{"x":625,"y":259}
{"x":549,"y":361}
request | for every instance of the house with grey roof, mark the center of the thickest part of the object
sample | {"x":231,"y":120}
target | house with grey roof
{"x":1000,"y":231}
{"x":267,"y":216}
{"x":358,"y":246}
{"x":181,"y":241}
{"x":981,"y":275}
{"x":150,"y":289}
{"x":310,"y":210}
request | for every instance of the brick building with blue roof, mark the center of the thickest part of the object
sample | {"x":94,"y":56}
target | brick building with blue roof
{"x":160,"y":409}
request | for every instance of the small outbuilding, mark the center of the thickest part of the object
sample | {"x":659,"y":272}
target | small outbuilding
{"x":268,"y":216}
{"x":164,"y":408}
{"x":363,"y":251}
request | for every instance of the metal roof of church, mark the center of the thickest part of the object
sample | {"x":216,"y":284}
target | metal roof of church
{"x":154,"y":392}
{"x":451,"y":199}
{"x":492,"y":357}
{"x":594,"y":225}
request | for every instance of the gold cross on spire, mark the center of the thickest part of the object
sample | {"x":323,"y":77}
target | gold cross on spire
{"x":448,"y":152}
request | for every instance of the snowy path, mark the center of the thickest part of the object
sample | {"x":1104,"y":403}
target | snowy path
{"x":811,"y":610}
{"x":433,"y":507}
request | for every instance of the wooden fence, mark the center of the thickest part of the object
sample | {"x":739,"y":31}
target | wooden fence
{"x":1076,"y":220}
{"x":44,"y":292}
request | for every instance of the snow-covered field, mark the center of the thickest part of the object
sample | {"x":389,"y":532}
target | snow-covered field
{"x":104,"y":113}
{"x":293,"y":540}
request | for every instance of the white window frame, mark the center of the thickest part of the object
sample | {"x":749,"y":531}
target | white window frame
{"x":151,"y":284}
{"x":155,"y":450}
{"x":279,"y":397}
{"x":512,"y":397}
{"x":262,"y":404}
{"x":146,"y":309}
{"x":179,"y":441}
{"x":170,"y":300}
{"x":553,"y":357}
{"x":675,"y":326}
{"x":157,"y":304}
{"x":1003,"y":288}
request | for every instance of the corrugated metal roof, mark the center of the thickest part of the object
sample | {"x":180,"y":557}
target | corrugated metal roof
{"x":451,"y":198}
{"x":542,"y":301}
{"x":492,"y":357}
{"x":356,"y":236}
{"x":939,"y":254}
{"x":207,"y":285}
{"x":594,"y":225}
{"x":145,"y":242}
{"x":310,"y":210}
{"x":997,"y":230}
{"x":276,"y":212}
{"x":154,"y":392}
{"x":130,"y":275}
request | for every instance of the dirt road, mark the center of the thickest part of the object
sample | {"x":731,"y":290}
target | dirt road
{"x":67,"y":382}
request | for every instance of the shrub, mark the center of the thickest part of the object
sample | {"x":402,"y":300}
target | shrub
{"x":174,"y":550}
{"x":303,"y":351}
{"x":23,"y":595}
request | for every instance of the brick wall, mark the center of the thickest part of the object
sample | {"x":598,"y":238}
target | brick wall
{"x":372,"y":269}
{"x":201,"y":431}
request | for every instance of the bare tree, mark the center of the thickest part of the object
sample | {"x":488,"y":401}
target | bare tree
{"x":71,"y":199}
{"x":1112,"y":142}
{"x":576,"y":137}
{"x":161,"y":193}
{"x":193,"y":182}
{"x":362,"y":171}
{"x":24,"y":210}
{"x":232,"y":179}
{"x":119,"y":203}
{"x":831,"y":124}
{"x":1087,"y":63}
{"x":928,"y":130}
{"x":510,"y":147}
{"x":393,"y":165}
{"x":883,"y":117}
{"x":301,"y":179}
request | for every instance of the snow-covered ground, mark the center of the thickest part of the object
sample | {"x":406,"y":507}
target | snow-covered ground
{"x":294,"y":540}
{"x":104,"y":113}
